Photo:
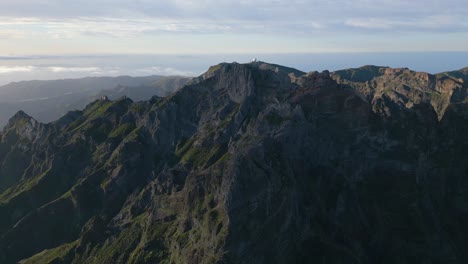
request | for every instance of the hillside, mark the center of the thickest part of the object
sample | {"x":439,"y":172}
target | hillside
{"x":49,"y":100}
{"x":248,"y":163}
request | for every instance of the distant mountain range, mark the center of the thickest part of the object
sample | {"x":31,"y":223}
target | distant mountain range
{"x":247,"y":163}
{"x":48,"y":100}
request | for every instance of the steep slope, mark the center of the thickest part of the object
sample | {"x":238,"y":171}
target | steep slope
{"x":361,"y":74}
{"x":250,"y":163}
{"x":49,"y":100}
{"x":406,"y":87}
{"x":460,"y":74}
{"x":30,"y":90}
{"x":164,"y":86}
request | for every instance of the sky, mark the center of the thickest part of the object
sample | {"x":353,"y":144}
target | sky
{"x":225,"y":26}
{"x":47,"y":39}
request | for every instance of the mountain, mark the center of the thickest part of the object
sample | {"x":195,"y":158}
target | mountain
{"x":163,"y":86}
{"x":248,"y":163}
{"x":362,"y":74}
{"x":460,"y":74}
{"x":405,"y":87}
{"x":49,"y":100}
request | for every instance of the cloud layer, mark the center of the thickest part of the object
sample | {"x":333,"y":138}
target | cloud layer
{"x":127,"y":17}
{"x":96,"y":71}
{"x":313,"y":23}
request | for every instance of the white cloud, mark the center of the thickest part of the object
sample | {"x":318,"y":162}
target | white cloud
{"x":129,"y":26}
{"x":111,"y":71}
{"x":11,"y":34}
{"x":369,"y":23}
{"x":15,"y":69}
{"x":157,"y":70}
{"x":106,"y":71}
{"x":435,"y":22}
{"x":67,"y":19}
{"x":75,"y":69}
{"x":69,"y":28}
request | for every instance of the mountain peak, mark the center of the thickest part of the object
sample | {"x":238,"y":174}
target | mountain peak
{"x":361,"y":74}
{"x":25,"y":126}
{"x":260,"y":65}
{"x":21,"y":114}
{"x":265,"y":66}
{"x":20,"y":117}
{"x":221,"y":167}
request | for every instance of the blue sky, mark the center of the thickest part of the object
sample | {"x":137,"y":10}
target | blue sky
{"x":221,"y":26}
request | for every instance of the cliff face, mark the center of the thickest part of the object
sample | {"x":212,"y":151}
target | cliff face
{"x":405,"y":87}
{"x":250,"y":163}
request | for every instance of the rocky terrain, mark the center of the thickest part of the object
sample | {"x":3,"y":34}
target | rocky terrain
{"x":249,"y":163}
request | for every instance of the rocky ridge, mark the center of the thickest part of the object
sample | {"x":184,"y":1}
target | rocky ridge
{"x":249,"y":163}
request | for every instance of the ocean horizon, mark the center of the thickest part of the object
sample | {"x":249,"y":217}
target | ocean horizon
{"x":47,"y":67}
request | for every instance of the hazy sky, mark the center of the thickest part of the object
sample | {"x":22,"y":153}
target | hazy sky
{"x":224,"y":26}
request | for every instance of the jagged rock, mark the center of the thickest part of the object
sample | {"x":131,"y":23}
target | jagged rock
{"x":249,"y":163}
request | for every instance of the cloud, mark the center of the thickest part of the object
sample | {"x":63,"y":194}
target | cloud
{"x":75,"y":69}
{"x":16,"y":69}
{"x":157,"y":70}
{"x":434,"y":23}
{"x":69,"y":28}
{"x":11,"y":34}
{"x":369,"y":23}
{"x":204,"y":26}
{"x":67,"y":19}
{"x":92,"y":70}
{"x":57,"y":70}
{"x":240,"y":10}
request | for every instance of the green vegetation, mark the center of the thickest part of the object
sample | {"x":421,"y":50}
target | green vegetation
{"x":229,"y":118}
{"x":202,"y":156}
{"x":22,"y":187}
{"x":275,"y":119}
{"x":388,"y":90}
{"x":93,"y":114}
{"x":120,"y":248}
{"x":434,"y":94}
{"x":184,"y":145}
{"x":362,"y":74}
{"x":58,"y":254}
{"x":214,"y":68}
{"x":100,"y":131}
{"x":139,"y":108}
{"x":126,"y":186}
{"x":134,"y":134}
{"x":97,"y":109}
{"x":122,"y":131}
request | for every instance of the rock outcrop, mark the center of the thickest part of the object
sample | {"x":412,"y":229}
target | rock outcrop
{"x":249,"y":163}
